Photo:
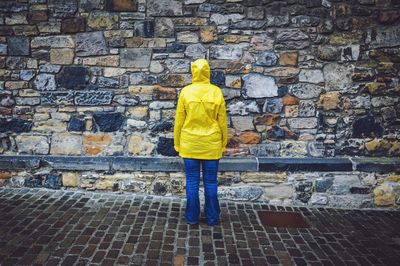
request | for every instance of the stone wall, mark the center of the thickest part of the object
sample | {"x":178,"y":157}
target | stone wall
{"x":101,"y":77}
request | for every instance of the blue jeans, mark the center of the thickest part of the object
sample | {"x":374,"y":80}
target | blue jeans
{"x":211,"y":206}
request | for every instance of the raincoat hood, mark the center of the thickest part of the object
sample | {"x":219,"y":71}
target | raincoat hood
{"x":200,"y":71}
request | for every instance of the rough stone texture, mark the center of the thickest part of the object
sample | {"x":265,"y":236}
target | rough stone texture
{"x":90,"y":43}
{"x":259,"y":86}
{"x":164,"y":8}
{"x":32,"y":144}
{"x":66,"y":144}
{"x":135,"y":57}
{"x":107,"y":122}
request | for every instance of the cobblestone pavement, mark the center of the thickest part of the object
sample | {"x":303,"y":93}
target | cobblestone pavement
{"x":62,"y":227}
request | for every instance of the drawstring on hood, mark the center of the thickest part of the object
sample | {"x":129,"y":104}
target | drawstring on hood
{"x":200,"y":71}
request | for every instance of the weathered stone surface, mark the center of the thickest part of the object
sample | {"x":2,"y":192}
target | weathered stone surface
{"x":242,"y":108}
{"x":70,"y":179}
{"x":384,"y":195}
{"x":329,"y":101}
{"x":135,"y":57}
{"x":385,"y":37}
{"x":18,"y":46}
{"x":250,"y":138}
{"x":319,"y":199}
{"x":45,"y":82}
{"x":159,"y":8}
{"x":367,"y":127}
{"x":311,"y":76}
{"x":33,"y":181}
{"x":66,"y":144}
{"x":227,"y":52}
{"x":57,"y":98}
{"x":102,"y":21}
{"x":53,"y":181}
{"x":138,"y":146}
{"x":76,"y":124}
{"x":323,"y":184}
{"x":73,"y":25}
{"x":121,"y":5}
{"x":62,"y":8}
{"x":32,"y":144}
{"x":144,"y":28}
{"x":259,"y":86}
{"x":302,"y":122}
{"x":165,"y":146}
{"x":242,"y":193}
{"x":305,"y":90}
{"x":90,"y":43}
{"x":59,"y":41}
{"x":93,"y":97}
{"x":72,"y":77}
{"x":266,"y":59}
{"x":129,"y":100}
{"x":242,"y":123}
{"x":288,"y":58}
{"x":268,"y":150}
{"x":164,"y":27}
{"x":108,"y":122}
{"x":220,"y":19}
{"x":63,"y":56}
{"x":273,"y":105}
{"x":337,"y":77}
{"x":195,"y":51}
{"x":178,"y":65}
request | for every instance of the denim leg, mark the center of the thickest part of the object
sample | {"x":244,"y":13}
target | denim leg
{"x":192,"y":169}
{"x":211,"y":207}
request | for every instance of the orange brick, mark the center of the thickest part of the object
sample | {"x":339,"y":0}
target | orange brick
{"x":99,"y":139}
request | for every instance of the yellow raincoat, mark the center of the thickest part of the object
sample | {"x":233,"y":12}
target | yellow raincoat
{"x":200,"y":129}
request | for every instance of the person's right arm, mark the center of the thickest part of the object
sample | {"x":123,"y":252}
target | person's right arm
{"x":179,"y":120}
{"x":223,"y":125}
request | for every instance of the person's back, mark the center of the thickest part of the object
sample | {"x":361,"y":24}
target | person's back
{"x":200,"y":137}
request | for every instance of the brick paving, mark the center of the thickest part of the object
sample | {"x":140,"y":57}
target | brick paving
{"x":50,"y":227}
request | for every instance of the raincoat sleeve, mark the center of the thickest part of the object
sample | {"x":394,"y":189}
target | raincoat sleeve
{"x":223,"y":124}
{"x":179,"y":120}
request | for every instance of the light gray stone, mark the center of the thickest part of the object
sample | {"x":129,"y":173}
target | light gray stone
{"x":242,"y":193}
{"x":195,"y":51}
{"x":7,"y":101}
{"x":281,"y":192}
{"x":273,"y":105}
{"x":135,"y":57}
{"x":90,"y":43}
{"x":303,"y":122}
{"x":342,"y":183}
{"x":293,"y":148}
{"x":177,"y":65}
{"x":242,"y":123}
{"x":268,"y":150}
{"x":384,"y":101}
{"x":127,"y":100}
{"x":350,"y":53}
{"x":305,"y":90}
{"x":305,"y":21}
{"x":45,"y":82}
{"x":62,"y":8}
{"x":230,"y":94}
{"x":27,"y":101}
{"x":228,"y":52}
{"x":32,"y":144}
{"x":26,"y":74}
{"x":136,"y":78}
{"x":277,"y":21}
{"x":191,"y":2}
{"x":59,"y":41}
{"x":311,"y":76}
{"x":319,"y":199}
{"x":328,"y":52}
{"x":159,"y":8}
{"x":291,"y":35}
{"x":157,"y":105}
{"x":259,"y":86}
{"x":384,"y":37}
{"x":247,"y":25}
{"x":222,"y":19}
{"x":49,"y":68}
{"x":242,"y":108}
{"x":306,"y":108}
{"x":338,"y":77}
{"x":136,"y":124}
{"x":164,"y":27}
{"x":93,"y":98}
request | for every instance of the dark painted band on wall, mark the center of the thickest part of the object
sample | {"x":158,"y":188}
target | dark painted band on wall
{"x":175,"y":164}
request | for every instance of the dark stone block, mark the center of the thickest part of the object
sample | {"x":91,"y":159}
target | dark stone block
{"x":305,"y":164}
{"x":360,"y":190}
{"x":160,"y":188}
{"x":304,"y":196}
{"x":237,"y":164}
{"x":15,"y":125}
{"x":62,"y":8}
{"x":108,"y":122}
{"x":6,"y":31}
{"x":162,"y":126}
{"x":121,"y":5}
{"x":12,"y":6}
{"x":72,"y":77}
{"x":165,"y":146}
{"x":275,"y":133}
{"x":381,"y":164}
{"x":33,"y":181}
{"x":273,"y":105}
{"x":282,"y":91}
{"x":78,"y":163}
{"x":144,"y":28}
{"x":323,"y":184}
{"x":211,"y":8}
{"x":313,"y":3}
{"x":146,"y":164}
{"x":217,"y":78}
{"x":108,"y":82}
{"x":172,"y":48}
{"x":53,"y":181}
{"x":367,"y":127}
{"x":93,"y":97}
{"x":18,"y":45}
{"x":73,"y":25}
{"x":305,"y":186}
{"x":76,"y":124}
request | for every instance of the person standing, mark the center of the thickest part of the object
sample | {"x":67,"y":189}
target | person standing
{"x":200,"y":137}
